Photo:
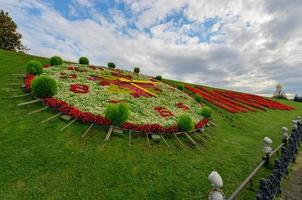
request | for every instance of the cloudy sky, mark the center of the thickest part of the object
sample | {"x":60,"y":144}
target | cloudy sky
{"x":245,"y":45}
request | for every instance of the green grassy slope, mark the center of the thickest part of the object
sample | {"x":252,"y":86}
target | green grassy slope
{"x":40,"y":162}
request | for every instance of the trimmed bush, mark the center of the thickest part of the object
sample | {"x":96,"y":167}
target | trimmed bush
{"x":117,"y":113}
{"x":56,"y":60}
{"x":158,"y":77}
{"x":44,"y":86}
{"x":34,"y":67}
{"x":198,"y":98}
{"x":206,"y":112}
{"x":185,"y":123}
{"x":136,"y":70}
{"x":111,"y":65}
{"x":84,"y":61}
{"x":181,"y":87}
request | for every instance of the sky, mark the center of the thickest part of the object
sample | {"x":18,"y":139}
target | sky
{"x":243,"y":45}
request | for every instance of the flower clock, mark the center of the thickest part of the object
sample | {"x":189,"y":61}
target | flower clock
{"x":84,"y":92}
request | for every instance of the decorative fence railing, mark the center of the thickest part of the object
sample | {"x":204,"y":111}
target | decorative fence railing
{"x":269,"y":187}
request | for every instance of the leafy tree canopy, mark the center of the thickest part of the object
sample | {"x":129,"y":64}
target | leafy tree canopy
{"x":10,"y":39}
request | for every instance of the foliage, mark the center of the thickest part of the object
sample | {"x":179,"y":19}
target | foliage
{"x":117,"y":113}
{"x":198,"y":98}
{"x":44,"y":86}
{"x":136,"y":70}
{"x":279,"y":93}
{"x":297,"y":98}
{"x":158,"y":77}
{"x":181,"y":87}
{"x":280,"y":97}
{"x":84,"y":60}
{"x":206,"y":112}
{"x":185,"y":123}
{"x":10,"y":39}
{"x":111,"y":65}
{"x":34,"y":67}
{"x":56,"y":60}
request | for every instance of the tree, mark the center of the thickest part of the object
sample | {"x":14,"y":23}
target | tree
{"x":10,"y":39}
{"x":279,"y":93}
{"x":297,"y":98}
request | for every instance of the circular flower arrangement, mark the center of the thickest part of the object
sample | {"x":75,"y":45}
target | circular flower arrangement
{"x":84,"y":93}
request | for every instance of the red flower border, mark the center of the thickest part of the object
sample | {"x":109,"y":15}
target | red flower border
{"x":65,"y":108}
{"x":79,"y":88}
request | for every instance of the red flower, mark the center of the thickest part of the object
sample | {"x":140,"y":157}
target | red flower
{"x":115,"y":101}
{"x":236,"y":102}
{"x":202,"y":123}
{"x":92,"y":67}
{"x":163,"y":112}
{"x":104,"y":83}
{"x":46,"y":66}
{"x":70,"y":68}
{"x":79,"y":88}
{"x":80,"y":70}
{"x":28,"y":79}
{"x":66,"y":109}
{"x":182,"y":106}
{"x":72,"y":76}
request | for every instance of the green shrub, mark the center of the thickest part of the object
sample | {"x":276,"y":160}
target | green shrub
{"x":44,"y":86}
{"x":56,"y":60}
{"x":84,"y":61}
{"x":181,"y":87}
{"x":185,"y":123}
{"x":111,"y":65}
{"x":206,"y":112}
{"x":136,"y":70}
{"x":117,"y":113}
{"x":34,"y":67}
{"x":158,"y":77}
{"x":198,"y":98}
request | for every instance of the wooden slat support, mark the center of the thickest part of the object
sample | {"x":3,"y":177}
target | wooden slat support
{"x":129,"y":139}
{"x":11,"y":89}
{"x":108,"y":133}
{"x":149,"y":144}
{"x":23,"y":95}
{"x":14,"y":84}
{"x":39,"y":110}
{"x":87,"y":130}
{"x":191,"y":139}
{"x":207,"y":134}
{"x":68,"y":124}
{"x":56,"y":115}
{"x":212,"y":123}
{"x":200,"y":136}
{"x":162,"y":137}
{"x":178,"y":139}
{"x":29,"y":102}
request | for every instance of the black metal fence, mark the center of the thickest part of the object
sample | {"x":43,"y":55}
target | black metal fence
{"x":270,"y":187}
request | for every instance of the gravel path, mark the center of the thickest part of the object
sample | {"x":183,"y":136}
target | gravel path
{"x":293,"y":188}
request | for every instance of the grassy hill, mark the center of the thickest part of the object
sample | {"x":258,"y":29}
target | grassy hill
{"x":40,"y":162}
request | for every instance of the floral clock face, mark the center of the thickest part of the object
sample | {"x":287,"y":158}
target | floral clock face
{"x":91,"y":89}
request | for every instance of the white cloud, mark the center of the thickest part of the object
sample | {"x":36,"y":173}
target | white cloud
{"x":254,"y":44}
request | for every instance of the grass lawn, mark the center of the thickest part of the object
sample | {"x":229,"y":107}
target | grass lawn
{"x":40,"y":162}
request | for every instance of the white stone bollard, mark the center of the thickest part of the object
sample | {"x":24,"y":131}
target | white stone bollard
{"x":267,"y":145}
{"x":217,"y":183}
{"x":284,"y":132}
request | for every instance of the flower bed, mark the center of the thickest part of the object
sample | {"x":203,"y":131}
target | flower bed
{"x":84,"y":93}
{"x":235,"y":102}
